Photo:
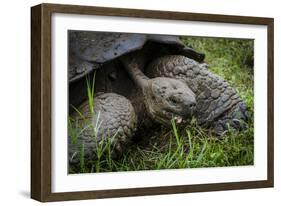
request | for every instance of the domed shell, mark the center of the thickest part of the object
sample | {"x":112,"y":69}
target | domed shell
{"x":89,"y":50}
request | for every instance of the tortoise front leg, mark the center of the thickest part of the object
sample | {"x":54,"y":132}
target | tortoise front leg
{"x":218,"y":104}
{"x":110,"y":122}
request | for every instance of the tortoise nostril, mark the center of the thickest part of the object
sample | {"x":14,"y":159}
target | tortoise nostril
{"x":192,"y":105}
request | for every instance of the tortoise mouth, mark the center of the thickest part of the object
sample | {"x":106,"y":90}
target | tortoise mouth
{"x":177,"y":117}
{"x":167,"y":116}
{"x":166,"y":99}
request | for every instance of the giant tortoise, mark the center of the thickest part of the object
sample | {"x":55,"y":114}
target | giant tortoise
{"x":142,"y":81}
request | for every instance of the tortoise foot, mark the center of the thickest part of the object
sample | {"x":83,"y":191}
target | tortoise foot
{"x":234,"y":120}
{"x":218,"y":104}
{"x":106,"y":127}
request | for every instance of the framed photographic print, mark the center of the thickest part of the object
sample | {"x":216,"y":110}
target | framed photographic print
{"x":138,"y":102}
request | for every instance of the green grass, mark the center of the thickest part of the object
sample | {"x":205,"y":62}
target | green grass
{"x":190,"y":146}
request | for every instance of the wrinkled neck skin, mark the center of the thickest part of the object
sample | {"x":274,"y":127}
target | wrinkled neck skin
{"x":133,"y":65}
{"x":164,"y":98}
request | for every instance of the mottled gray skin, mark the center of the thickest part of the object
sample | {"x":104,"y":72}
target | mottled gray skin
{"x":218,"y":104}
{"x":113,"y":117}
{"x":135,"y":96}
{"x":122,"y":109}
{"x":91,"y":51}
{"x":164,"y":98}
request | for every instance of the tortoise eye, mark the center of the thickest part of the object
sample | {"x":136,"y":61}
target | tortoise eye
{"x":173,"y":99}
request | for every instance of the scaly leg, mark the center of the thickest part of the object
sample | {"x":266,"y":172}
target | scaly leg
{"x":218,"y":104}
{"x":112,"y":120}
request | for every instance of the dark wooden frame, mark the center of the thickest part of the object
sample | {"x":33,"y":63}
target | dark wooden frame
{"x":41,"y":101}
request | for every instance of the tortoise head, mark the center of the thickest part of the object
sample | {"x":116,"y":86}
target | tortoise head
{"x":167,"y":98}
